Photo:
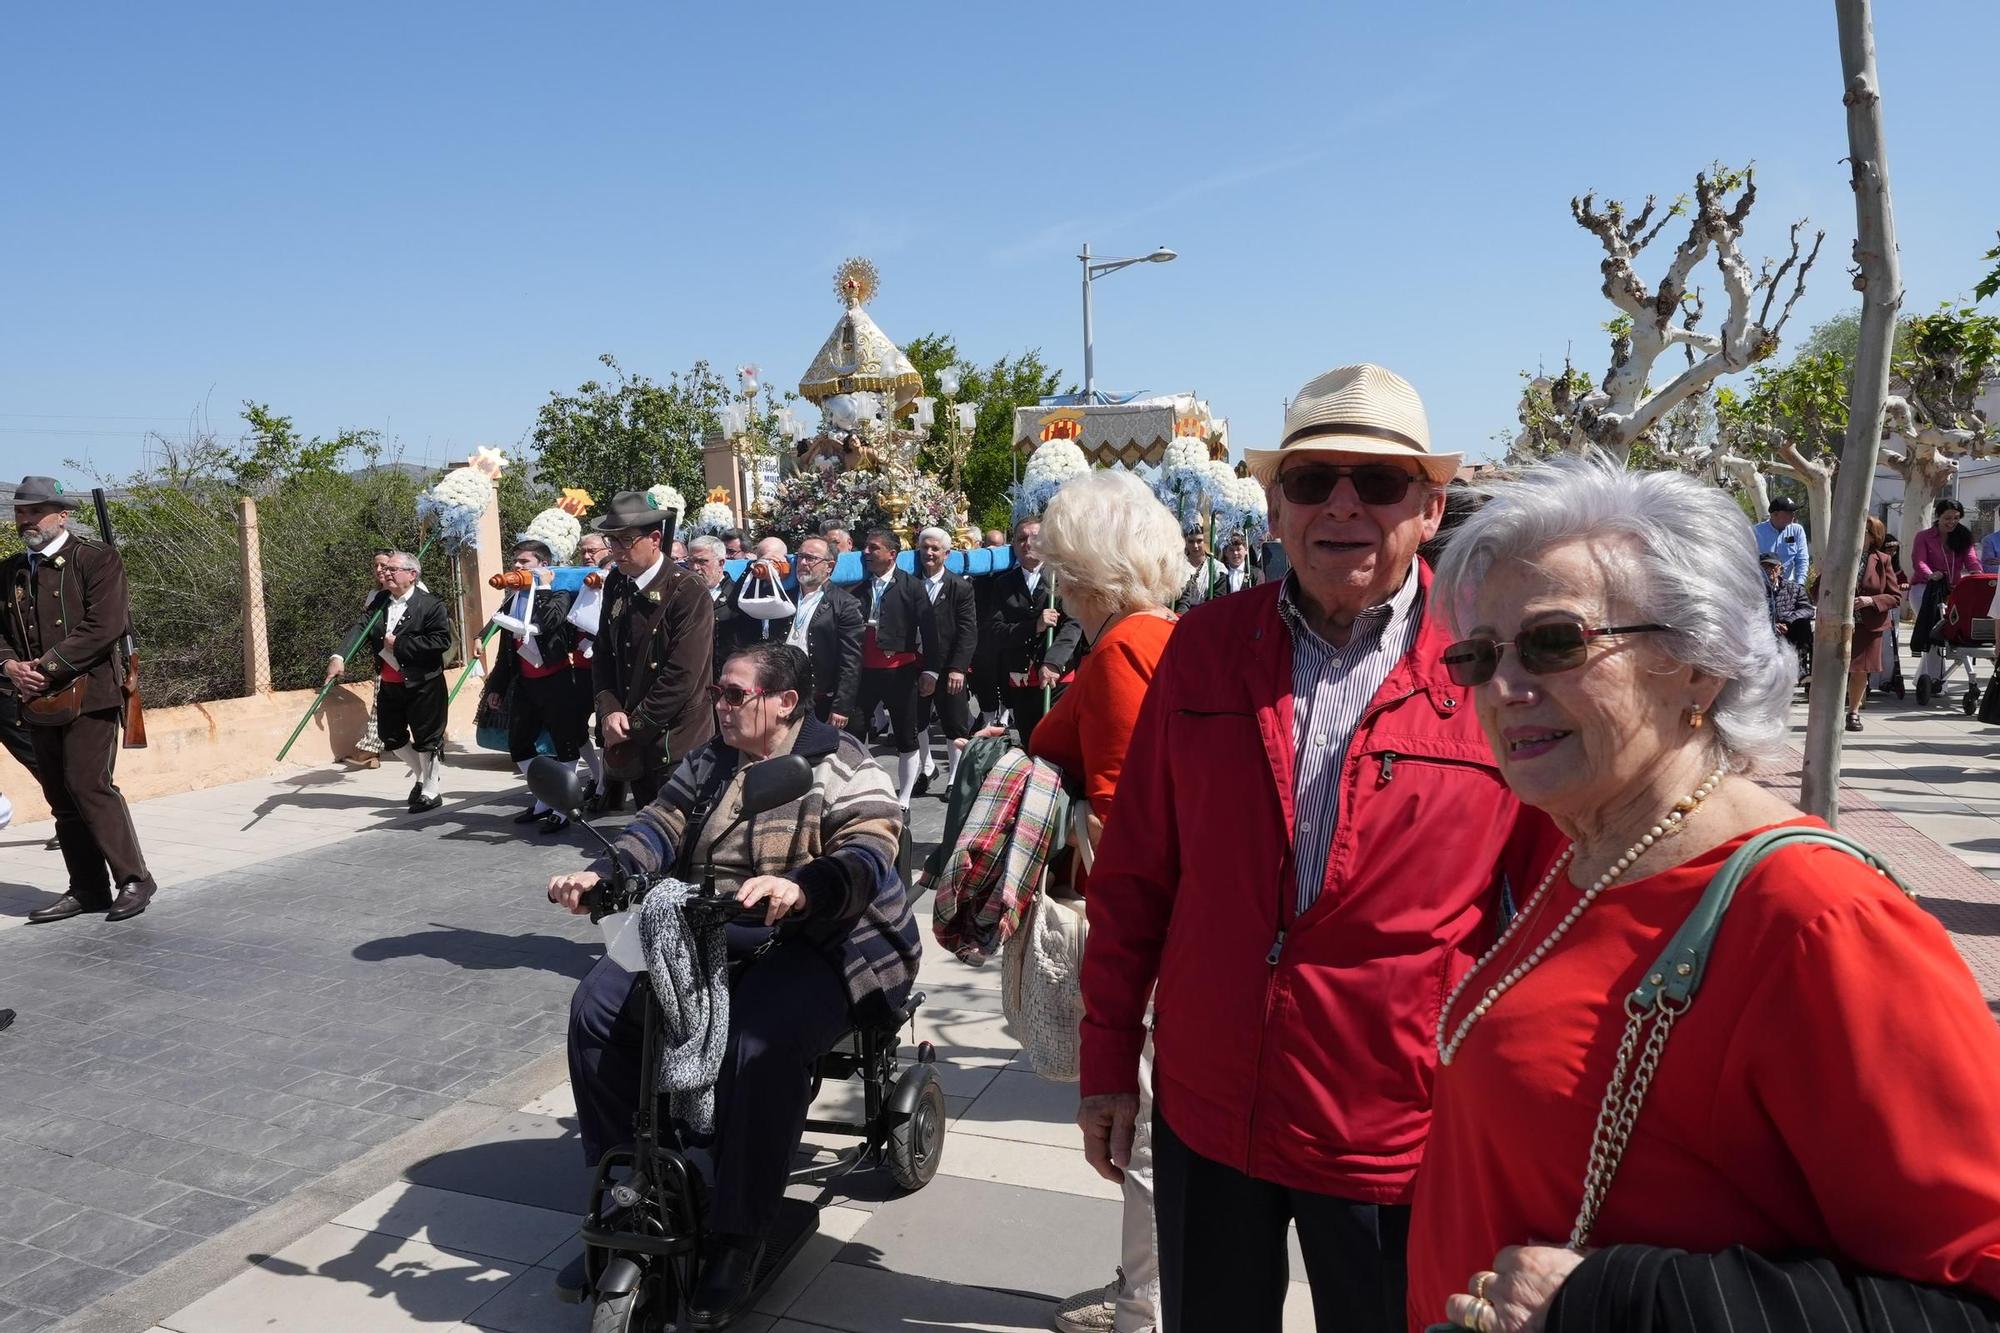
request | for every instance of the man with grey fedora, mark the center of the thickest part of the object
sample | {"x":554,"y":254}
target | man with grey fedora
{"x":652,"y":661}
{"x":1312,"y":834}
{"x":67,"y":609}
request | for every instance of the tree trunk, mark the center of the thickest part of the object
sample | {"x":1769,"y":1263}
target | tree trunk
{"x":1745,"y":474}
{"x":1818,"y":479}
{"x":1881,"y":285}
{"x":1925,"y":475}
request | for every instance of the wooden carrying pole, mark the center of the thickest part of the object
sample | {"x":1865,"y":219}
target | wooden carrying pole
{"x":1879,"y":279}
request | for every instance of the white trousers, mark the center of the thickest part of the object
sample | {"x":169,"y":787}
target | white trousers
{"x":1137,"y":1309}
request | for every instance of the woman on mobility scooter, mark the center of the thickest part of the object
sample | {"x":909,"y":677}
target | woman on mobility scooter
{"x":836,"y":946}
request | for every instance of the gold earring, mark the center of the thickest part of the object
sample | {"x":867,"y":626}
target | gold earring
{"x":1696,"y":718}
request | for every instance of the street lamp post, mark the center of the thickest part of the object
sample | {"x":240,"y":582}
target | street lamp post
{"x":1097,"y":267}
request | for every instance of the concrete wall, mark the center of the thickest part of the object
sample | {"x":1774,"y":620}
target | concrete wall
{"x":229,"y":740}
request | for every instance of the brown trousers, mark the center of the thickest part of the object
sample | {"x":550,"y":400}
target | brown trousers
{"x":99,"y":844}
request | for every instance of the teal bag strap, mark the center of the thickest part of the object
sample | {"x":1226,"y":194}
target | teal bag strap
{"x":1676,"y":974}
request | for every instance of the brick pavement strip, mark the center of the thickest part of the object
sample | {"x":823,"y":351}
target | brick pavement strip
{"x":170,"y":1076}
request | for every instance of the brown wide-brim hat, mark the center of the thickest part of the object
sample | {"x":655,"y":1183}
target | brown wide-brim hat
{"x":631,"y":509}
{"x":42,"y":491}
{"x":1360,"y":412}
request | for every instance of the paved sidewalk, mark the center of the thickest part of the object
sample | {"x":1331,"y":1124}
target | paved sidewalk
{"x":320,"y":1085}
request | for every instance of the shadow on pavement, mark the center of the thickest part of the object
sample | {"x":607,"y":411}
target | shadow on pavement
{"x":485,"y":950}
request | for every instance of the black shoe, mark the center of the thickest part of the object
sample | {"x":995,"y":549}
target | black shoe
{"x":1854,"y":721}
{"x":133,"y":900}
{"x":573,"y":1283}
{"x":416,"y":794}
{"x":555,"y":821}
{"x":726,"y":1281}
{"x":923,"y":786}
{"x":528,"y":816}
{"x":52,"y":845}
{"x":63,"y":908}
{"x":421,"y":803}
{"x":1898,"y":690}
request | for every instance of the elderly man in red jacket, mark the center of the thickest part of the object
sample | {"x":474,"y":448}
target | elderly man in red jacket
{"x":1311,"y":846}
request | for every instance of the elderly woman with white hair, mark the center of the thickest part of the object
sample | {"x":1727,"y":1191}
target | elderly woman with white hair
{"x":1114,"y":552}
{"x":1832,"y":1101}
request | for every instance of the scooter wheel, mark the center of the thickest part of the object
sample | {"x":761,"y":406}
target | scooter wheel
{"x":916,"y":1144}
{"x":616,"y":1314}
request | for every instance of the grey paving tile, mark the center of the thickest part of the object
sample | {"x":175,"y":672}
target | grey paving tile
{"x":968,"y":1231}
{"x":528,"y":1304}
{"x":98,"y":1237}
{"x":313,"y":1153}
{"x":25,"y":1210}
{"x":201,"y":1213}
{"x":20,"y":1260}
{"x":138,"y":1151}
{"x":61,"y":1288}
{"x":228,"y":1173}
{"x":340,"y":1089}
{"x":858,"y":1299}
{"x":20,"y":1319}
{"x":168,"y":1246}
{"x":408,"y":1103}
{"x":331,"y":1121}
{"x":530,"y":1159}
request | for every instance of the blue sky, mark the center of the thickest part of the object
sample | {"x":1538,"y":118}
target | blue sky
{"x":422,"y":217}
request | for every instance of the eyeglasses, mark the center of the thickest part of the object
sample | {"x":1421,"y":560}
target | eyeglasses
{"x":1560,"y":645}
{"x":733,"y":695}
{"x":1374,"y":483}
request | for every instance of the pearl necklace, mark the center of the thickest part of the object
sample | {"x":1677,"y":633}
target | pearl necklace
{"x":1668,"y":825}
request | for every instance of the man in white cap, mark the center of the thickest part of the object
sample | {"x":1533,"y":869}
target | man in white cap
{"x":1310,"y":841}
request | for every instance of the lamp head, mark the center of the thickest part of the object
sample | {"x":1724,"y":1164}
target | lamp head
{"x":1161,"y":256}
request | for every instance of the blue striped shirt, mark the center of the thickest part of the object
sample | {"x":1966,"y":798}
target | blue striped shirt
{"x":1331,"y":689}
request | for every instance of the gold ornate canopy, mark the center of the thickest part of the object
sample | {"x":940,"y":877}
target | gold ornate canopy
{"x":858,"y":357}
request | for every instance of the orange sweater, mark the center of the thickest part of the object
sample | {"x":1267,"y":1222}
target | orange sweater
{"x":1087,"y":732}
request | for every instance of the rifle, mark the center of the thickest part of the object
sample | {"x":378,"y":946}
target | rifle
{"x":135,"y":710}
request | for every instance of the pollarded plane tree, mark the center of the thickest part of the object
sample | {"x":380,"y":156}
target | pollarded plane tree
{"x":1948,"y":361}
{"x":1623,"y":412}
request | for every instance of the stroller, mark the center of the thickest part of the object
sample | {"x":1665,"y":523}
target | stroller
{"x":1962,"y":637}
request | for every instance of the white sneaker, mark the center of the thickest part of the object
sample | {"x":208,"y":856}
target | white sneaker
{"x":1090,"y":1311}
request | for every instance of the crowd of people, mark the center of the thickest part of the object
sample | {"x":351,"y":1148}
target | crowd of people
{"x":1434,"y":914}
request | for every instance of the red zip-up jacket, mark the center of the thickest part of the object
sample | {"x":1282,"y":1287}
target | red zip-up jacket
{"x":1298,"y":1051}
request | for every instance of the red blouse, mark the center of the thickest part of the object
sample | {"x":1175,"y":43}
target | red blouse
{"x":1835,"y":1087}
{"x":1088,"y":731}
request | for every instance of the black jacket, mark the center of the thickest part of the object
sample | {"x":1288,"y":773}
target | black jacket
{"x":1644,"y":1289}
{"x":950,"y":626}
{"x":900,"y":620}
{"x":1219,"y":585}
{"x":1022,"y":640}
{"x":833,"y":641}
{"x":733,"y":629}
{"x":422,"y":639}
{"x":554,"y":636}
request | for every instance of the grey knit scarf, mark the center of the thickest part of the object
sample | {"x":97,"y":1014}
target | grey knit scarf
{"x":691,"y":981}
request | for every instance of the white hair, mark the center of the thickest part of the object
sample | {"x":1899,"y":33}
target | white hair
{"x":1106,"y":533}
{"x":712,"y":545}
{"x":938,"y":533}
{"x":1692,"y":565}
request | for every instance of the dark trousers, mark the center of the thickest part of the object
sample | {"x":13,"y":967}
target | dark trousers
{"x":952,"y":712}
{"x":559,"y":704}
{"x":1800,"y":634}
{"x":409,"y":714}
{"x":787,"y":1008}
{"x":16,"y":735}
{"x":1028,"y":710}
{"x":988,"y":681}
{"x":99,"y":845}
{"x":895,"y":688}
{"x":1223,"y":1262}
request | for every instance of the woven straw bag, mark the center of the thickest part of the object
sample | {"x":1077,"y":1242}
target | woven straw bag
{"x":1041,"y":987}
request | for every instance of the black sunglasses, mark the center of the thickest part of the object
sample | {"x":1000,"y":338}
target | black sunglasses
{"x":1374,"y":483}
{"x":733,"y":695}
{"x":1559,"y":645}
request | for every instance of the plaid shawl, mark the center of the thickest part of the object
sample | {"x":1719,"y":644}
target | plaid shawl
{"x":838,"y":842}
{"x":1004,"y":844}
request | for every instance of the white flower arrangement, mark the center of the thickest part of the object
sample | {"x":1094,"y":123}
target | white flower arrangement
{"x":1183,"y":481}
{"x":1242,"y":509}
{"x":664,"y":496}
{"x":556,"y":529}
{"x":460,"y":498}
{"x":1053,"y":463}
{"x":712,"y":520}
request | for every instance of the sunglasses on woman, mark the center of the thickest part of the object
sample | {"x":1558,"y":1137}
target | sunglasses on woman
{"x":1374,"y":483}
{"x":1559,"y":645}
{"x":733,"y":695}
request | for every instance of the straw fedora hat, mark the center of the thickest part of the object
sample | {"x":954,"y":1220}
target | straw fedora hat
{"x":1359,"y":411}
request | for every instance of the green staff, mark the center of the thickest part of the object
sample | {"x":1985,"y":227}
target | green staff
{"x":326,"y":689}
{"x":1048,"y":646}
{"x":471,"y":662}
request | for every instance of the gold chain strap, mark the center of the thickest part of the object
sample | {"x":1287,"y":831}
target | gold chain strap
{"x":1620,"y":1111}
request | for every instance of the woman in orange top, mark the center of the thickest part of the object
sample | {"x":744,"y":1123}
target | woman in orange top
{"x":1833,"y":1089}
{"x":1115,"y":554}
